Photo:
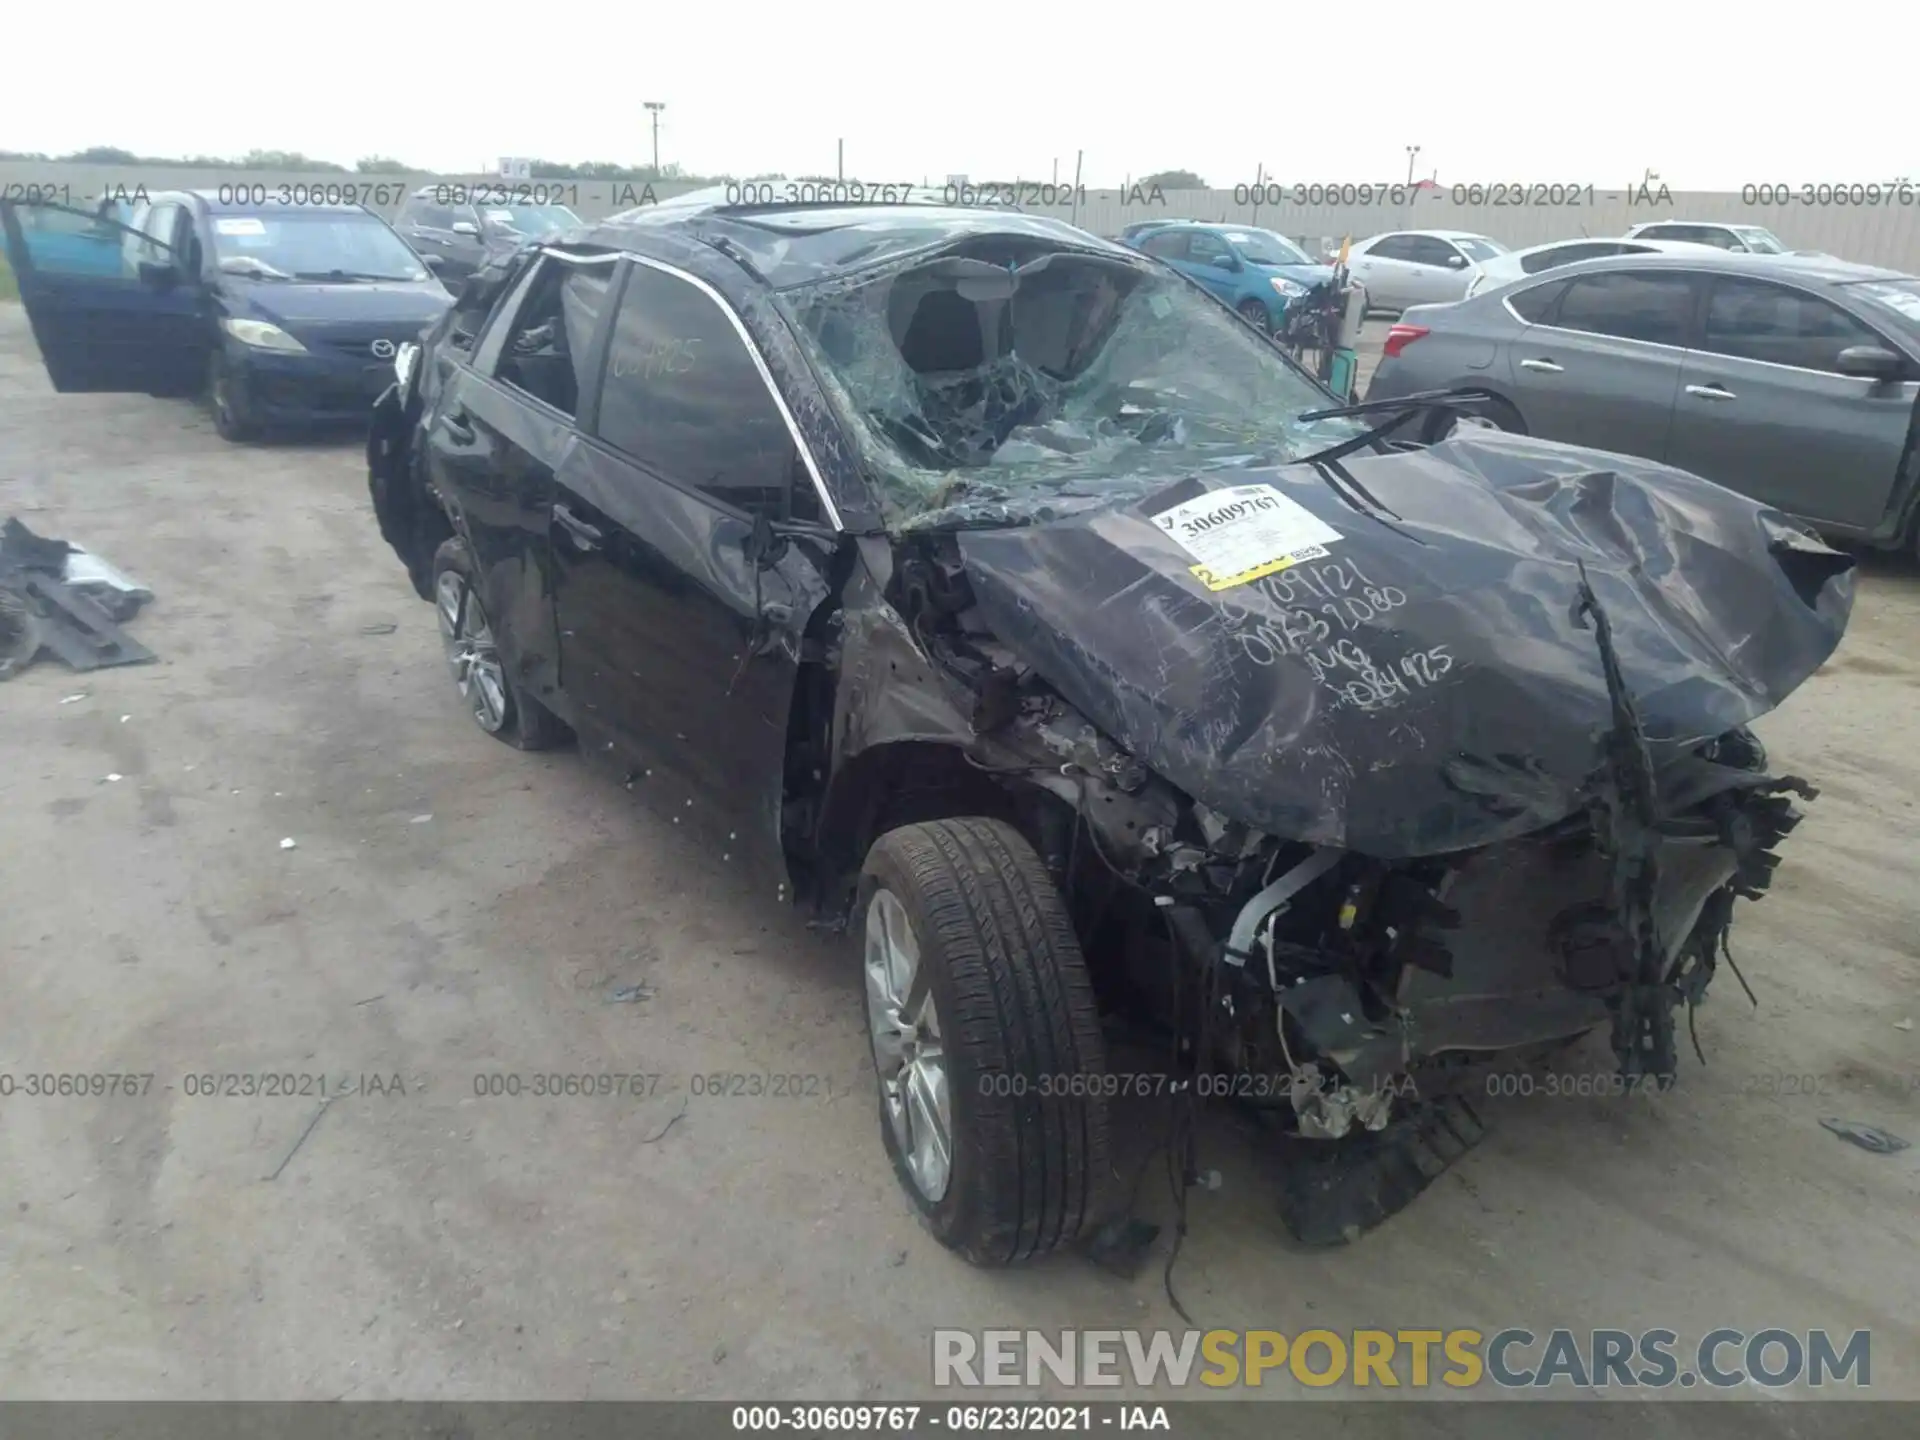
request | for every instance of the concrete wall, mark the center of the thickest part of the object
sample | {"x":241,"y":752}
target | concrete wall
{"x":1886,"y":233}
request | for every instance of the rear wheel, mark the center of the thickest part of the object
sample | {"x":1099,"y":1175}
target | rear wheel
{"x":986,"y":1040}
{"x":495,"y":702}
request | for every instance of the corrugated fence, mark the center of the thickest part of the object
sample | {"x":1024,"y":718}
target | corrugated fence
{"x":1877,"y":224}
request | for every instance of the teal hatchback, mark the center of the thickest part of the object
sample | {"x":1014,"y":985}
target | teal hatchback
{"x":1260,"y":273}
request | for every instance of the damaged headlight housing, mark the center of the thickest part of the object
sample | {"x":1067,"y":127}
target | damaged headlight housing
{"x":260,"y":334}
{"x":1286,"y":289}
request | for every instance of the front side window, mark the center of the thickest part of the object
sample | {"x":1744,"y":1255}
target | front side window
{"x":1205,"y":249}
{"x":1393,"y":247}
{"x":683,"y":397}
{"x":1168,"y":245}
{"x":1752,"y":320}
{"x":1629,"y":306}
{"x":986,"y":383}
{"x":314,"y":245}
{"x":1430,"y":250}
{"x":549,"y":338}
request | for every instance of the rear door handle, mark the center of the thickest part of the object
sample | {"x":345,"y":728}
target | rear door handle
{"x":1546,"y":365}
{"x":585,"y":536}
{"x":458,"y":425}
{"x":1712,"y":392}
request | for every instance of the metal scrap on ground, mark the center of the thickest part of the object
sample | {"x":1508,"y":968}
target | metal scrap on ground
{"x":57,"y":597}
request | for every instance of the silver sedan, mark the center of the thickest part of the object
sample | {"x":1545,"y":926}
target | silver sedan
{"x":1792,"y":380}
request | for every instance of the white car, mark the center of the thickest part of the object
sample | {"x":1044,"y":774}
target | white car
{"x":1518,"y":264}
{"x":1739,"y":239}
{"x":1419,"y":267}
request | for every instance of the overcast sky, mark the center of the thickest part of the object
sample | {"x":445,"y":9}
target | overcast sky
{"x":1710,"y":98}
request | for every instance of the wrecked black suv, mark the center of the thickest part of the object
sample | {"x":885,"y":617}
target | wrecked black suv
{"x":1002,"y":595}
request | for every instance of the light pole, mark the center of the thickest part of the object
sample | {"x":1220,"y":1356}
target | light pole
{"x":656,"y":106}
{"x":1413,"y":153}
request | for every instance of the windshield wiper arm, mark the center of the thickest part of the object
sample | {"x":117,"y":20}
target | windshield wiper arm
{"x":343,"y":275}
{"x":1451,"y":399}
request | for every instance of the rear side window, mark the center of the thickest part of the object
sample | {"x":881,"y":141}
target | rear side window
{"x":1535,"y":304}
{"x":683,"y":397}
{"x":1751,"y":320}
{"x":1629,"y":306}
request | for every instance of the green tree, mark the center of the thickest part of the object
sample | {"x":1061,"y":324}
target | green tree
{"x":1172,"y":180}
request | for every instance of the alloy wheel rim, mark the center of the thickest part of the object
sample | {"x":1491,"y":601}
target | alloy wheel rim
{"x":471,"y":654}
{"x":908,"y":1050}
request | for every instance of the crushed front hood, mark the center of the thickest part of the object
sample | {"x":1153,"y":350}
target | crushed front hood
{"x":1425,"y":686}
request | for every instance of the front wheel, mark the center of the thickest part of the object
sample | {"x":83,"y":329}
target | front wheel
{"x":495,"y":702}
{"x":1255,"y":314}
{"x":232,"y":419}
{"x":986,"y":1040}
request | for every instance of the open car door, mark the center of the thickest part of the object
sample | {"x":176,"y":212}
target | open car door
{"x":111,"y":309}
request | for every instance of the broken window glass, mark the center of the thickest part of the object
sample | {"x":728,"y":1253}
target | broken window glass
{"x":991,"y":381}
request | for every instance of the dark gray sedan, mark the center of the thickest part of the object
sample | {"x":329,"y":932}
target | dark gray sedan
{"x":1789,"y":379}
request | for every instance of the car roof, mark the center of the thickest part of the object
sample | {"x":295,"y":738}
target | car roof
{"x":1661,"y":247}
{"x":210,"y":201}
{"x":1809,"y":269}
{"x":1436,"y":234}
{"x":793,"y":244}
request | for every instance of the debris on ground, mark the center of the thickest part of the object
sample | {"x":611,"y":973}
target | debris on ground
{"x":57,"y":597}
{"x":630,"y":994}
{"x":420,"y":819}
{"x":1906,"y":1024}
{"x":1867,"y":1137}
{"x":286,"y":844}
{"x":379,"y":627}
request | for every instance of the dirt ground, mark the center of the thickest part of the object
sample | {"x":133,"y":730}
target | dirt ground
{"x":451,"y":908}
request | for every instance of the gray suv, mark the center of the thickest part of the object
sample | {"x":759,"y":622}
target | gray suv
{"x":1789,"y":379}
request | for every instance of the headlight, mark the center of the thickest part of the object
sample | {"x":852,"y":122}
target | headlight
{"x":1286,"y":288}
{"x":260,"y":334}
{"x":403,"y":359}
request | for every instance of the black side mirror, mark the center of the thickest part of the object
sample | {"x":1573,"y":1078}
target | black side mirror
{"x":1871,"y":362}
{"x":161,"y":275}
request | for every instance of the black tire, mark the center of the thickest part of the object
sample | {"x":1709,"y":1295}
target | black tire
{"x":1255,"y":314}
{"x":1496,"y":412}
{"x":524,"y":722}
{"x":231,"y":418}
{"x":1016,"y":1017}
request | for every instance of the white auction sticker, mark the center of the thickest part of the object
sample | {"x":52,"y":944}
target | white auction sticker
{"x":239,"y":225}
{"x":1245,"y":531}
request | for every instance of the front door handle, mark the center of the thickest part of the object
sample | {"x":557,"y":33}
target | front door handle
{"x":456,"y":423}
{"x":1546,"y":365}
{"x":585,"y":536}
{"x":1712,"y":392}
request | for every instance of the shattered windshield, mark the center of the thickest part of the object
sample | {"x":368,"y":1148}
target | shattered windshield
{"x":990,"y":382}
